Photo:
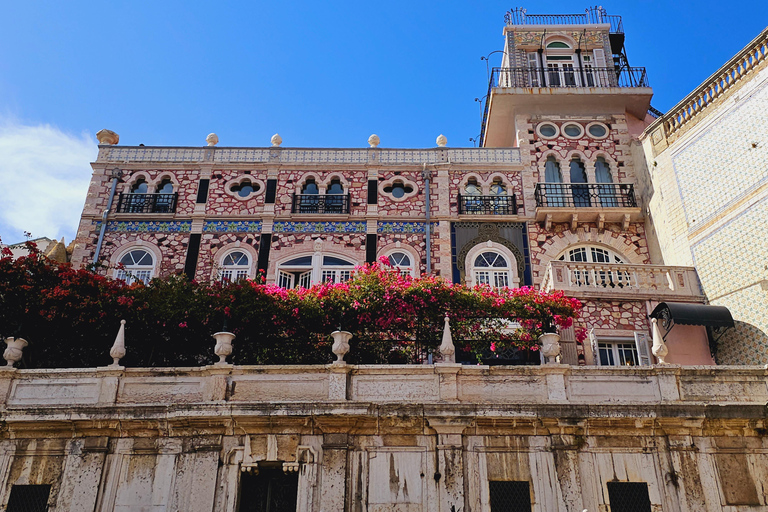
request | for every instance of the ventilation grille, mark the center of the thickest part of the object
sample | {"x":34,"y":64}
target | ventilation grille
{"x":29,"y":498}
{"x":629,"y":497}
{"x":510,"y":496}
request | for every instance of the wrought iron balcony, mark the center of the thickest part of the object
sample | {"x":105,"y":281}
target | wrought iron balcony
{"x":619,"y":280}
{"x":591,"y":16}
{"x":322,"y":204}
{"x":585,"y":195}
{"x":585,"y":76}
{"x":147,"y":203}
{"x":487,"y":205}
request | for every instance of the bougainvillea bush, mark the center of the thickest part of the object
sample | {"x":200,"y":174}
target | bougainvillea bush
{"x":70,"y":317}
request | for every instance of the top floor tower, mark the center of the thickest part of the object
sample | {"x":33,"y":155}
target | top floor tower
{"x":566,"y":65}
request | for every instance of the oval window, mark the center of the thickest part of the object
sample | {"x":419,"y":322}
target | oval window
{"x":572,"y":130}
{"x":597,"y":130}
{"x":547,"y":130}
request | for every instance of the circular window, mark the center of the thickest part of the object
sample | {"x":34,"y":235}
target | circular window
{"x":573,"y":130}
{"x":547,"y":130}
{"x":398,"y":190}
{"x":597,"y":130}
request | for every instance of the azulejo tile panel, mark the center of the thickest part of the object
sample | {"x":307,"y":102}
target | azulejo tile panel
{"x":404,"y":227}
{"x":319,"y":227}
{"x":223,"y":226}
{"x":147,"y":226}
{"x":724,"y":162}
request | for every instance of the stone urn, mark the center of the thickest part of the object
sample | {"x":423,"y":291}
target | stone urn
{"x":14,"y":349}
{"x":223,"y":346}
{"x":340,"y":345}
{"x":550,"y":346}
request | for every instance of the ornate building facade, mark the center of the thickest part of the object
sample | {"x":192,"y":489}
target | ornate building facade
{"x":557,"y":197}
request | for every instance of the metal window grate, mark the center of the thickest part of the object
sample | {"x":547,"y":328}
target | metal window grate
{"x":510,"y":496}
{"x":629,"y":497}
{"x":29,"y":498}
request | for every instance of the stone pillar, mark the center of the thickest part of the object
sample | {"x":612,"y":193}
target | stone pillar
{"x":82,"y":473}
{"x":333,"y":473}
{"x":450,"y":460}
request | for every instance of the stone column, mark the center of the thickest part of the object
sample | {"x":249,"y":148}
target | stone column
{"x":450,"y":460}
{"x":82,"y":473}
{"x":333,"y":473}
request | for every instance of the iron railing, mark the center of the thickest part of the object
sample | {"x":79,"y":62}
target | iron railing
{"x":585,"y":195}
{"x":592,"y":15}
{"x":488,"y":205}
{"x":316,"y":203}
{"x":568,"y":76}
{"x":147,"y":203}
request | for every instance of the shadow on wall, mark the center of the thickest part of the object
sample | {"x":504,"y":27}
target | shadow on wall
{"x":744,"y":344}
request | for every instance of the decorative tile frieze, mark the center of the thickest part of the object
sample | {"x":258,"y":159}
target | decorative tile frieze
{"x":318,"y":227}
{"x":232,"y":226}
{"x":175,"y":226}
{"x":404,"y":227}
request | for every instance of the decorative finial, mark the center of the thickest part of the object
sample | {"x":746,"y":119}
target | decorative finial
{"x":441,"y":140}
{"x":659,"y":348}
{"x":107,"y":137}
{"x":212,"y":139}
{"x":447,"y":348}
{"x":340,"y":345}
{"x":374,"y":140}
{"x":117,"y":351}
{"x":276,"y":140}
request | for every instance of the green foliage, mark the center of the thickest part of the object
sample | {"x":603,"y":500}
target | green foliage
{"x":70,"y":317}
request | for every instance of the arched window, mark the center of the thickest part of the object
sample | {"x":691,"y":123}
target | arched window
{"x":552,"y":172}
{"x":403,"y":262}
{"x":555,"y":192}
{"x":303,"y":271}
{"x":498,"y":188}
{"x":164,"y":201}
{"x":335,"y":204}
{"x":140,"y":187}
{"x":592,"y":275}
{"x":491,"y":268}
{"x":472,"y":188}
{"x":165,"y":187}
{"x":579,"y":192}
{"x":235,"y":265}
{"x":607,"y":193}
{"x":335,"y":187}
{"x":244,"y":189}
{"x":136,"y":265}
{"x":310,"y":187}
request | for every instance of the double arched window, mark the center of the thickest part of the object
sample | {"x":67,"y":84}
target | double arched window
{"x":136,"y":265}
{"x":304,"y":271}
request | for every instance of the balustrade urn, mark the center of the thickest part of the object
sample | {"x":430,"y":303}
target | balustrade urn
{"x":340,"y":345}
{"x":223,"y":346}
{"x":550,"y":346}
{"x":117,"y":351}
{"x":14,"y":349}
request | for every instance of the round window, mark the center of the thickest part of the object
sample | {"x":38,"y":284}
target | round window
{"x":398,"y":190}
{"x":548,"y":130}
{"x":597,"y":130}
{"x":244,"y":189}
{"x":572,"y":130}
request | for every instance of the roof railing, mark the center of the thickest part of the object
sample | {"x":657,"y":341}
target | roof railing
{"x":591,"y":16}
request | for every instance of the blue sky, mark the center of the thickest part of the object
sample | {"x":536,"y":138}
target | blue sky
{"x":324,"y":74}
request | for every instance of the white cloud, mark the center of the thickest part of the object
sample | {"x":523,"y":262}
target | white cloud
{"x":44,"y":177}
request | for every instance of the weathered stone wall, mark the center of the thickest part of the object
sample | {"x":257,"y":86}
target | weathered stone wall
{"x":417,"y":438}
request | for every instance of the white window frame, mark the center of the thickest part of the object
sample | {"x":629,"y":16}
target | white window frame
{"x":132,"y":273}
{"x":316,"y":272}
{"x":240,"y":271}
{"x":408,"y":270}
{"x":493,"y":275}
{"x":614,"y":345}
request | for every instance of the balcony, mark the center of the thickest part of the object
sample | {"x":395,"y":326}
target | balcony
{"x":586,"y":202}
{"x":487,"y":205}
{"x":623,"y":281}
{"x":591,"y":16}
{"x":321,"y":204}
{"x":586,"y":76}
{"x":147,"y":203}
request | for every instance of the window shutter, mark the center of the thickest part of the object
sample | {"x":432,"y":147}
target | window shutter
{"x":602,"y":74}
{"x":643,"y":352}
{"x":593,"y":344}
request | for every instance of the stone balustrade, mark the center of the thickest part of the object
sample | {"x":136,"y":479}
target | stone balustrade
{"x":33,"y":390}
{"x":613,"y":281}
{"x":276,"y":155}
{"x":752,"y":57}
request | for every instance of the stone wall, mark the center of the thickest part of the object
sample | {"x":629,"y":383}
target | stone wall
{"x":413,"y":438}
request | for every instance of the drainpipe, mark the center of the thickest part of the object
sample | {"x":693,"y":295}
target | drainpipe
{"x":540,"y":51}
{"x":581,"y":64}
{"x":427,"y":175}
{"x":116,"y":175}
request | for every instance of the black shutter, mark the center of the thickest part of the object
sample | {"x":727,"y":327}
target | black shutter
{"x":370,"y":248}
{"x":373,"y":192}
{"x":271,"y":191}
{"x":193,"y":250}
{"x":202,"y":191}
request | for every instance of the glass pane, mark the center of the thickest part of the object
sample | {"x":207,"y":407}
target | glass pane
{"x":305,"y":279}
{"x":572,"y":130}
{"x":302,"y":261}
{"x":472,"y":189}
{"x":497,"y":189}
{"x":578,"y":255}
{"x":310,"y":187}
{"x":606,"y":354}
{"x":597,"y":130}
{"x":166,"y":187}
{"x":600,"y":255}
{"x":398,"y":190}
{"x":331,"y":260}
{"x":501,"y":279}
{"x":399,"y":259}
{"x":548,"y":130}
{"x":483,"y":277}
{"x":335,"y":188}
{"x":285,"y":280}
